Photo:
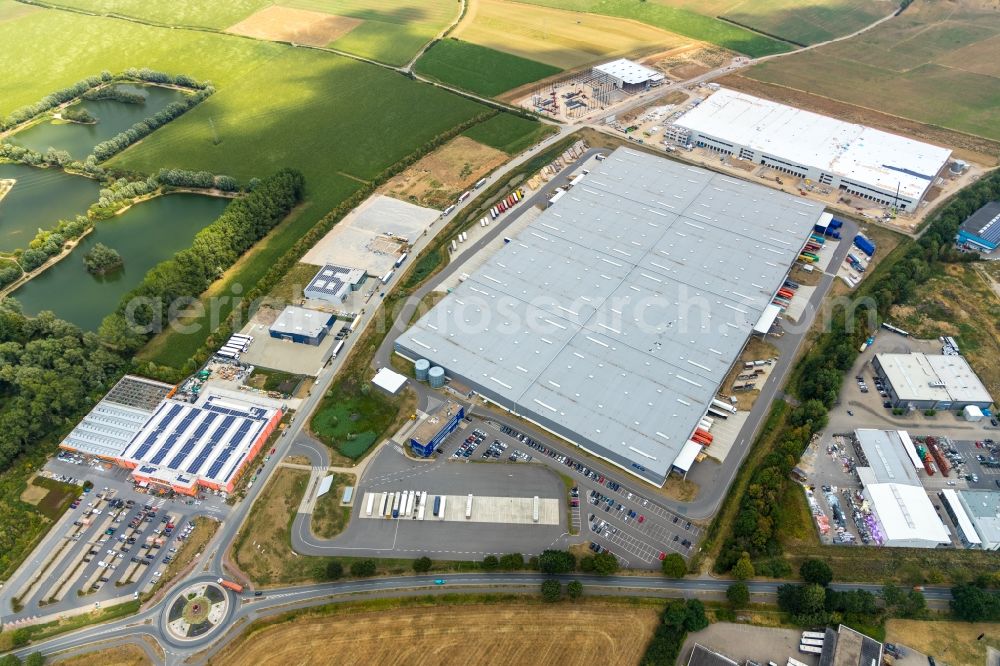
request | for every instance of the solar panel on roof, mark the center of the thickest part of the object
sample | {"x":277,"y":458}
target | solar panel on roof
{"x":192,"y":440}
{"x":234,"y":442}
{"x":172,"y":438}
{"x":209,"y":446}
{"x":151,"y":438}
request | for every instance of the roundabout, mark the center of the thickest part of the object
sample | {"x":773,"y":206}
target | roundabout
{"x":196,"y":612}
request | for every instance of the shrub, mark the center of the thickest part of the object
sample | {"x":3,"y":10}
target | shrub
{"x":422,"y":564}
{"x":556,"y":562}
{"x":574,"y":589}
{"x":551,"y":590}
{"x":490,"y":563}
{"x":363,"y":568}
{"x":674,"y":566}
{"x":816,"y":571}
{"x":512,"y":562}
{"x":334,"y":570}
{"x":738,"y":594}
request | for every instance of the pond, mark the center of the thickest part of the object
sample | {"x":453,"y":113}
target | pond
{"x":112,"y":117}
{"x":40,"y":198}
{"x":144,"y":235}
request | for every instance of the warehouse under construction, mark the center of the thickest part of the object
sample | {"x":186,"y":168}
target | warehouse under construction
{"x":613,"y":317}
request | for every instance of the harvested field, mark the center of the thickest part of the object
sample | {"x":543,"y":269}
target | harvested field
{"x":693,"y":60}
{"x":437,"y":179}
{"x":34,"y":494}
{"x":558,"y":37}
{"x":947,"y":642}
{"x":9,"y":9}
{"x":965,"y":146}
{"x":299,"y":26}
{"x":453,"y":634}
{"x":122,"y":655}
{"x":932,"y":51}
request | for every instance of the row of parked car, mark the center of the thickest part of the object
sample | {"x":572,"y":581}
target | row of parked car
{"x":470,"y":444}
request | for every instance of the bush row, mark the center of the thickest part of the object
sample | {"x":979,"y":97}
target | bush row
{"x":144,"y":128}
{"x":818,"y":378}
{"x":679,"y":617}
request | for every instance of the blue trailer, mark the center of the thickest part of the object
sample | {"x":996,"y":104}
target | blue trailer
{"x":864,"y":245}
{"x":836,"y":224}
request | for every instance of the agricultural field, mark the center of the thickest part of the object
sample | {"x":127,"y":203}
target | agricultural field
{"x":683,"y":17}
{"x":558,"y":37}
{"x":932,"y":51}
{"x":479,"y":69}
{"x":424,"y":632}
{"x":947,"y":642}
{"x":509,"y":133}
{"x":390,"y":31}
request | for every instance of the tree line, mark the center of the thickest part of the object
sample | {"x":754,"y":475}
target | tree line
{"x":144,"y":128}
{"x":80,"y":88}
{"x":679,"y":616}
{"x":147,"y":309}
{"x":818,"y":377}
{"x":291,"y":257}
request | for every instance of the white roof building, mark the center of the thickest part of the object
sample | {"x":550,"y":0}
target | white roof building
{"x":864,"y":156}
{"x":931,"y":381}
{"x":629,"y":73}
{"x":389,"y":380}
{"x":966,"y":530}
{"x":983,"y":508}
{"x":906,"y":516}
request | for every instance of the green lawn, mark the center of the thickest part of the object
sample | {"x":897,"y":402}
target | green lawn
{"x":480,"y":69}
{"x":176,"y":12}
{"x":509,"y":133}
{"x":680,"y":20}
{"x":351,"y":419}
{"x":807,"y":23}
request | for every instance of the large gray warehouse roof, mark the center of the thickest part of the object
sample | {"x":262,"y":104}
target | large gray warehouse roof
{"x":613,"y":317}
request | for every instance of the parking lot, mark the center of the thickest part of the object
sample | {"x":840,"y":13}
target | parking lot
{"x":114,"y":541}
{"x":635,"y":528}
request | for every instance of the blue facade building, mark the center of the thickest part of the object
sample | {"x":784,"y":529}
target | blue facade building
{"x":981,"y":231}
{"x":435,"y":428}
{"x":296,"y":324}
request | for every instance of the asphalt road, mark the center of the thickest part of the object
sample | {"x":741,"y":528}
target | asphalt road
{"x":278,"y":600}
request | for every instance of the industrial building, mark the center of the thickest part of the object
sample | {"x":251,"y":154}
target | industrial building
{"x":108,"y":428}
{"x":703,"y":656}
{"x":981,"y":231}
{"x":174,"y":444}
{"x":389,"y":380}
{"x":334,"y":283}
{"x":887,"y":467}
{"x":983,"y":510}
{"x":629,"y":75}
{"x":930,"y":381}
{"x":886,"y":169}
{"x":301,"y":325}
{"x":612,"y":318}
{"x":433,"y":430}
{"x":960,"y":518}
{"x":208,"y":443}
{"x":847,"y":647}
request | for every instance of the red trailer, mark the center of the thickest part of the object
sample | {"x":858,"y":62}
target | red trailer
{"x":235,"y":587}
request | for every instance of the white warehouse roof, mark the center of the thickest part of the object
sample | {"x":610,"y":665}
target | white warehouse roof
{"x":857,"y":152}
{"x":629,"y":72}
{"x":614,"y":316}
{"x":922,"y":377}
{"x":964,"y":522}
{"x":906,"y":514}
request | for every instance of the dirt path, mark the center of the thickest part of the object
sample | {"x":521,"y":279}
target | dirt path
{"x":463,"y":7}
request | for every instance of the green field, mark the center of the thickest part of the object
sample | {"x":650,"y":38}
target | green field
{"x":806,"y":23}
{"x":276,"y":106}
{"x":684,"y":21}
{"x":393,"y":31}
{"x":509,"y":133}
{"x":351,"y":419}
{"x":932,"y":51}
{"x":463,"y":64}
